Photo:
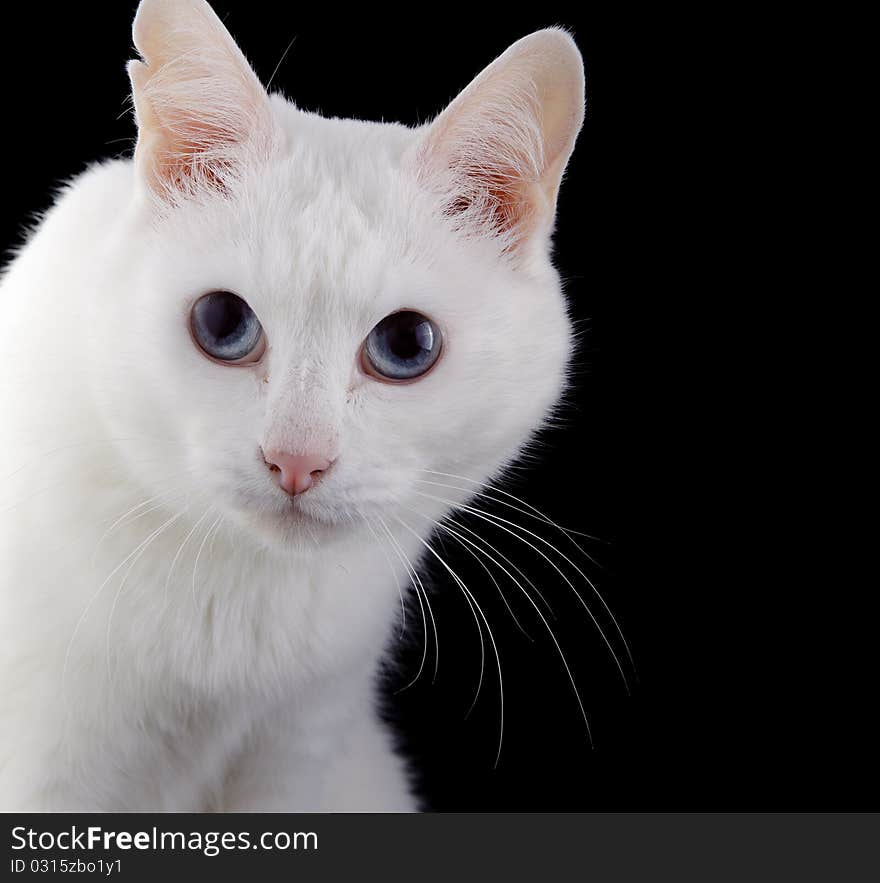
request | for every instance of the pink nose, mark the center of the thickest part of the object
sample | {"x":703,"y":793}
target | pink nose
{"x":298,"y":472}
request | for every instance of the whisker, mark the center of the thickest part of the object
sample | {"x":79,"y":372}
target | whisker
{"x":479,"y":561}
{"x":503,"y":557}
{"x":213,"y":538}
{"x":178,"y":553}
{"x":199,"y":555}
{"x":472,"y":602}
{"x":495,"y":519}
{"x":171,"y":492}
{"x":416,"y":583}
{"x":143,"y":548}
{"x":459,"y":583}
{"x":492,"y":489}
{"x":280,"y":62}
{"x":94,"y":597}
{"x":393,"y":577}
{"x":540,"y":614}
{"x":540,"y":517}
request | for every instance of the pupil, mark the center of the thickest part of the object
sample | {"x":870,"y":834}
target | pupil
{"x":410,"y":336}
{"x":223,"y":315}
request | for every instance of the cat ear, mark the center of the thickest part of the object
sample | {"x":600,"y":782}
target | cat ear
{"x":200,"y":108}
{"x":498,"y":152}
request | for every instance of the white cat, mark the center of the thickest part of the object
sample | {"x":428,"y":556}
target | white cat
{"x":231,"y":366}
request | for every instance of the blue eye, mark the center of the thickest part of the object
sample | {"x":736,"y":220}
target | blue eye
{"x":227,"y":329}
{"x":402,"y":346}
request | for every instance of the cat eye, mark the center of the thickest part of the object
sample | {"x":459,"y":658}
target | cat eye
{"x":227,"y":329}
{"x":403,"y":346}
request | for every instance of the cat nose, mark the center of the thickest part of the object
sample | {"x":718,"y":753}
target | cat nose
{"x":297,"y":472}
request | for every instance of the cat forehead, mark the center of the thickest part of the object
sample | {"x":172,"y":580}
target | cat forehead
{"x":304,"y":255}
{"x":344,"y":144}
{"x":328,"y":178}
{"x":350,"y":172}
{"x":334,"y":215}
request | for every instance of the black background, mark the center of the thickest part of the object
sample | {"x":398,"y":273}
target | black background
{"x":753,"y":690}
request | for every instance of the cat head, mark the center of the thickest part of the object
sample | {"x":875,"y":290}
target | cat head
{"x":322,"y":314}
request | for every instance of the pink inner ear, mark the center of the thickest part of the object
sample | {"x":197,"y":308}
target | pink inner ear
{"x":488,"y":164}
{"x":497,"y":196}
{"x":201,"y":110}
{"x":497,"y":153}
{"x":196,"y":153}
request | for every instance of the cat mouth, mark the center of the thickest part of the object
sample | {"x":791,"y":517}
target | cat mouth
{"x":287,"y":518}
{"x":296,"y":514}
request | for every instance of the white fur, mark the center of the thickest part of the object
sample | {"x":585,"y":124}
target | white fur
{"x":206,"y":652}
